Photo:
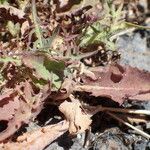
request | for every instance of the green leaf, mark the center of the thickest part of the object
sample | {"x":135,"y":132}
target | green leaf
{"x":36,"y":63}
{"x":101,"y":31}
{"x":56,"y":82}
{"x":57,"y":70}
{"x":45,"y":69}
{"x":2,"y":1}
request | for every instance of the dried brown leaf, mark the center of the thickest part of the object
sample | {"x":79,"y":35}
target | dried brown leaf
{"x":118,"y":83}
{"x":22,"y":115}
{"x":65,"y":90}
{"x":11,"y":13}
{"x":18,"y":107}
{"x":37,"y":139}
{"x":79,"y":120}
{"x":25,"y":26}
{"x":7,"y":111}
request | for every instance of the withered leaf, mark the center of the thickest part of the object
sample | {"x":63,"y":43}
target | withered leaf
{"x":18,"y":108}
{"x":12,"y":13}
{"x":65,"y":90}
{"x":118,"y":83}
{"x":9,"y":103}
{"x":37,"y":139}
{"x":25,"y":26}
{"x":22,"y":115}
{"x":79,"y":120}
{"x":68,"y":7}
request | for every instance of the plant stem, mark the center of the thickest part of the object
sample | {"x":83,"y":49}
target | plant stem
{"x":129,"y":125}
{"x":37,"y":27}
{"x":131,"y":111}
{"x":137,"y":26}
{"x":119,"y":110}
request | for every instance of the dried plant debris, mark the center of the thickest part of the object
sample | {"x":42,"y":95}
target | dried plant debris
{"x":136,"y":11}
{"x":113,"y":138}
{"x":79,"y":120}
{"x":18,"y":106}
{"x":52,"y":53}
{"x":38,"y":139}
{"x":118,"y":83}
{"x":6,"y":10}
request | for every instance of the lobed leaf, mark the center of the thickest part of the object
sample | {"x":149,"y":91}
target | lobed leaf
{"x":118,"y":83}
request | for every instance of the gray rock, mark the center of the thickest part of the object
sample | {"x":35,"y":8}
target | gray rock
{"x":134,"y":51}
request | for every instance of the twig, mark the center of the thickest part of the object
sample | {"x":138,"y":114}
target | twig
{"x":120,"y":110}
{"x":121,"y":33}
{"x":87,"y":138}
{"x":137,"y":119}
{"x":129,"y":125}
